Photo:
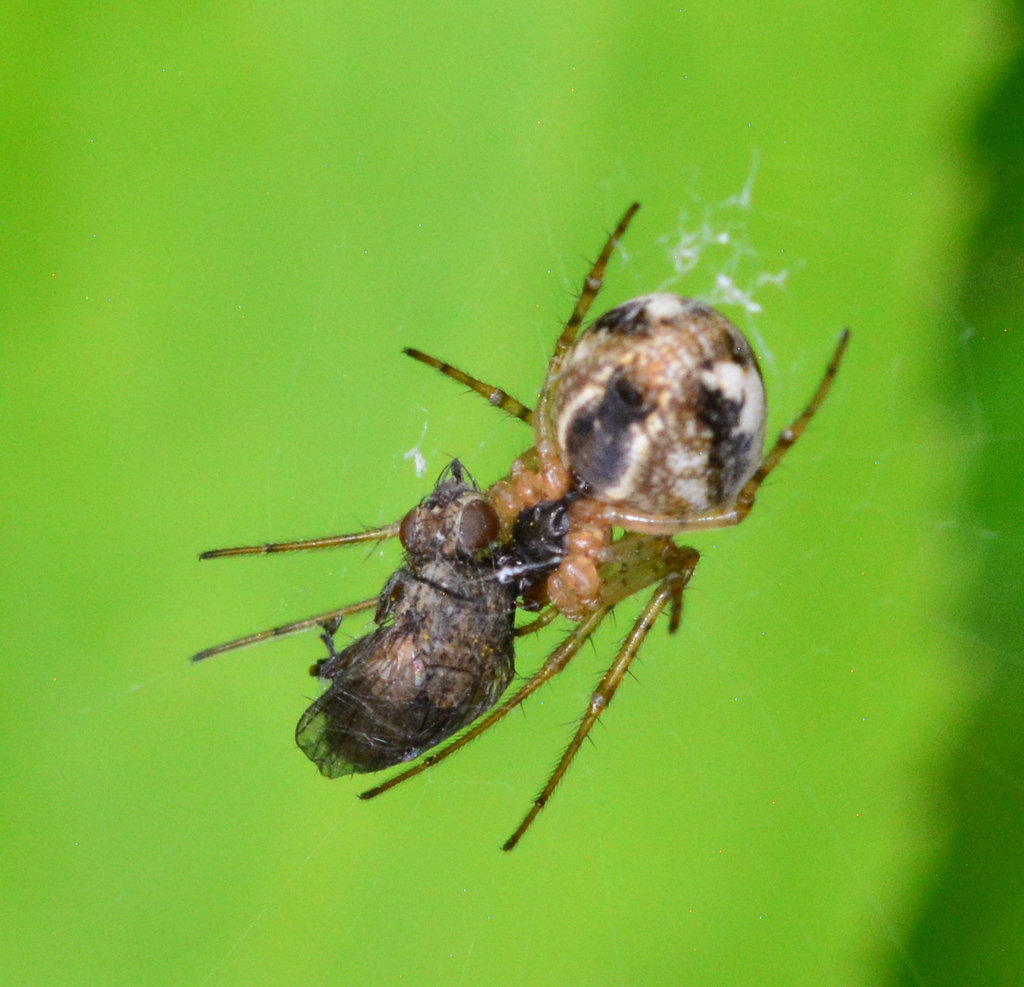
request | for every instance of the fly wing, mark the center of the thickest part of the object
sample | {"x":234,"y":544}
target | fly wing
{"x":350,"y":728}
{"x":409,"y":685}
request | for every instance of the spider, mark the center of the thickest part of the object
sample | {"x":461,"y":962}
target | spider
{"x":651,"y":422}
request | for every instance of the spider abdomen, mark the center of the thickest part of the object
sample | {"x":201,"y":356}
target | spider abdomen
{"x":660,"y":406}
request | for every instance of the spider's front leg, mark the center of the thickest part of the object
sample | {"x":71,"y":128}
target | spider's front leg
{"x":328,"y":622}
{"x":500,"y":398}
{"x":326,"y":541}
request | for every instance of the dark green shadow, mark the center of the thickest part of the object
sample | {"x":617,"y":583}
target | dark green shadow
{"x":971,"y":926}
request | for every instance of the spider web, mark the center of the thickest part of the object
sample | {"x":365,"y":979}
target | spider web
{"x":714,"y":237}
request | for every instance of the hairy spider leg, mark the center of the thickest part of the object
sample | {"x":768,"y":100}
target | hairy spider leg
{"x":326,"y":541}
{"x":592,"y":285}
{"x":545,"y":618}
{"x":637,"y":561}
{"x":546,"y":446}
{"x":669,"y":591}
{"x":329,"y":621}
{"x":789,"y":435}
{"x":495,"y":396}
{"x":737,"y":511}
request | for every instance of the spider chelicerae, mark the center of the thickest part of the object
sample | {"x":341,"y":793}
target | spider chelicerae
{"x":650,"y":422}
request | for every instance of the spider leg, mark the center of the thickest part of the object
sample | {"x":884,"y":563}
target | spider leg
{"x":327,"y":541}
{"x":555,"y":662}
{"x":668,"y":592}
{"x":495,"y":396}
{"x":789,"y":435}
{"x":538,"y":623}
{"x":329,"y":621}
{"x":637,"y":561}
{"x":591,"y":286}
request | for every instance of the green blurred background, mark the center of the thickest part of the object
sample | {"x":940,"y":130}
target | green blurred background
{"x":221,"y":223}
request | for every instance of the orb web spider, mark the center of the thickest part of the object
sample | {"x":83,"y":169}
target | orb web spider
{"x":650,"y":421}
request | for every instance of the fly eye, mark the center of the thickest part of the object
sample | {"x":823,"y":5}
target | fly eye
{"x":478,"y":526}
{"x":409,"y":529}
